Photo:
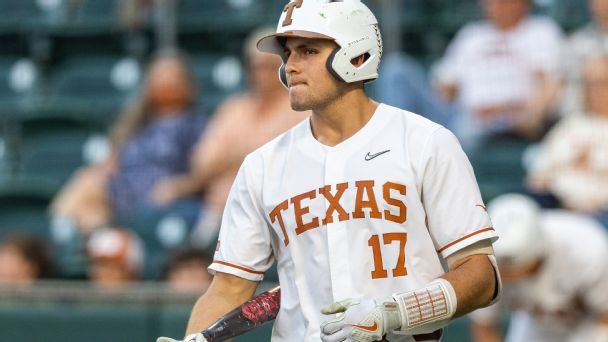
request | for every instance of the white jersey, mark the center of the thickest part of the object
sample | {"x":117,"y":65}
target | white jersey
{"x":570,"y":288}
{"x":369,"y":217}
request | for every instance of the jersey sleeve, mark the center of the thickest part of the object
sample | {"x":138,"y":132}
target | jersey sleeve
{"x":455,"y":212}
{"x":244,"y":245}
{"x":593,"y":293}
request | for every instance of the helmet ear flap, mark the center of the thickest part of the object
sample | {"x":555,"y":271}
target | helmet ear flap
{"x":329,"y":64}
{"x":282,"y":75}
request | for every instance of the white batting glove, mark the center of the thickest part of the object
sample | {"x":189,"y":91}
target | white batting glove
{"x":360,"y":320}
{"x":198,"y":337}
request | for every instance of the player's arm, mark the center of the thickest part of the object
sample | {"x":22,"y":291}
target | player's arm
{"x":472,"y":282}
{"x":225,"y":293}
{"x":473,"y":276}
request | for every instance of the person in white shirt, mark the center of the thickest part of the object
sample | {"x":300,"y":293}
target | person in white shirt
{"x":554,"y":264}
{"x":372,"y":214}
{"x":502,"y":72}
{"x":572,"y":161}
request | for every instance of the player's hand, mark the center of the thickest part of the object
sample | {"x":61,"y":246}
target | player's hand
{"x":198,"y":337}
{"x":360,"y":320}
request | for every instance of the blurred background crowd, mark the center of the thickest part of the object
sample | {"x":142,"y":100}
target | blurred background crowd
{"x":124,"y":122}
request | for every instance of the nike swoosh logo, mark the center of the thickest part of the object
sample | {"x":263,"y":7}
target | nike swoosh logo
{"x":367,"y":327}
{"x":481,"y":206}
{"x":370,"y":156}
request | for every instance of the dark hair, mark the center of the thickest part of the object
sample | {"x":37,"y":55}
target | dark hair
{"x":136,"y":112}
{"x":184,"y":255}
{"x":33,"y":249}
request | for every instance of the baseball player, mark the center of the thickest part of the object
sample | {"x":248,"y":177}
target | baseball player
{"x":554,"y":265}
{"x":361,"y":206}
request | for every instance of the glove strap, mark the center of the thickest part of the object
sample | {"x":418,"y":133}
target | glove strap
{"x":427,"y":309}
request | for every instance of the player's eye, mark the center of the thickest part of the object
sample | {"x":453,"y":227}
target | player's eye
{"x":310,"y":51}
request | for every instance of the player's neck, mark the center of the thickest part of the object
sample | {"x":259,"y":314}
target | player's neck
{"x":342,"y":118}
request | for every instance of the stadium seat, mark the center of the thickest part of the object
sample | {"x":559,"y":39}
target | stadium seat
{"x":23,"y":204}
{"x":498,"y":166}
{"x":160,"y":233}
{"x":52,"y":147}
{"x":219,"y":76}
{"x":15,"y":13}
{"x":97,"y":84}
{"x":231,"y":15}
{"x":18,"y":83}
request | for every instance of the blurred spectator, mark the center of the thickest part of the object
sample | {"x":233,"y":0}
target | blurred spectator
{"x":502,"y":72}
{"x":151,"y":140}
{"x":116,"y":257}
{"x":239,"y":126}
{"x":589,"y":41}
{"x":24,"y":259}
{"x":187,"y":270}
{"x":403,"y":84}
{"x":554,"y":266}
{"x":573,"y":160}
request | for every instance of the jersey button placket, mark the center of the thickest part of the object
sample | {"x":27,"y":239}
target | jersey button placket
{"x":337,"y":237}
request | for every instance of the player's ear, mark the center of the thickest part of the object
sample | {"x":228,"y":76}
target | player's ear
{"x":358,"y":61}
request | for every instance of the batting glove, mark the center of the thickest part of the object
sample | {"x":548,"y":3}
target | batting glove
{"x":198,"y":337}
{"x":360,"y":320}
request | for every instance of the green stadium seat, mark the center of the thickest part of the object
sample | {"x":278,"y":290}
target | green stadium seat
{"x":52,"y":147}
{"x":23,"y":205}
{"x":14,"y":13}
{"x":18,"y":83}
{"x":232,"y":15}
{"x":160,"y":233}
{"x":98,"y":84}
{"x":498,"y":166}
{"x":219,"y":76}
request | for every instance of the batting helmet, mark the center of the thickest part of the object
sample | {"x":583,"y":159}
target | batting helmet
{"x":516,"y":219}
{"x":349,"y":23}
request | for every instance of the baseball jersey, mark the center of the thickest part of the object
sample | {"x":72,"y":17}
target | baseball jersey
{"x":570,"y":288}
{"x":369,"y":217}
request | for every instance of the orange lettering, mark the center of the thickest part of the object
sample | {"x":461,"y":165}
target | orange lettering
{"x":386,"y":192}
{"x":289,"y":9}
{"x":275,"y":215}
{"x":399,"y":269}
{"x":366,"y":187}
{"x":378,"y":271}
{"x":300,"y":211}
{"x":334,"y":202}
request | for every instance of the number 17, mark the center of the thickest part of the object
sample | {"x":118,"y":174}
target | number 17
{"x":379,"y":270}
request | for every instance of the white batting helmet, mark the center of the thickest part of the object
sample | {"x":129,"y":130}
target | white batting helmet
{"x":516,"y":219}
{"x":349,"y":23}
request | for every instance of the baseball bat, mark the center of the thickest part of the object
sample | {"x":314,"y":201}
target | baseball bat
{"x":251,"y":314}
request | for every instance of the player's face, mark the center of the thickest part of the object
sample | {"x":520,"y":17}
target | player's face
{"x":515,"y":273}
{"x":310,"y":84}
{"x":505,"y":13}
{"x":599,"y":9}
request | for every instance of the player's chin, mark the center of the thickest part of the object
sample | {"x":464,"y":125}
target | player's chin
{"x":298,"y":103}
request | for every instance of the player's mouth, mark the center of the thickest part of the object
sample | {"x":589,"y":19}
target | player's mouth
{"x":296,"y":83}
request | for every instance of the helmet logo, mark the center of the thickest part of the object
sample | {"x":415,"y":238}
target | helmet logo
{"x":289,"y":9}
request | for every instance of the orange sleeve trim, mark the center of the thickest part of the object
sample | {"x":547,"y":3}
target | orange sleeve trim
{"x":237,"y":267}
{"x":463,"y":238}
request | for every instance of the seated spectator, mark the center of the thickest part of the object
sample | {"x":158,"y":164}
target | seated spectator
{"x":116,"y":257}
{"x":589,"y":41}
{"x":24,"y":259}
{"x":573,"y":160}
{"x":239,"y":126}
{"x":187,"y":271}
{"x":151,"y":140}
{"x":502,"y":72}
